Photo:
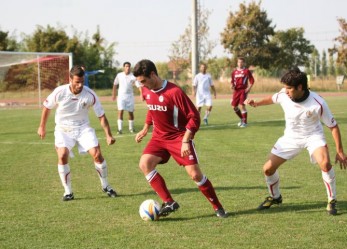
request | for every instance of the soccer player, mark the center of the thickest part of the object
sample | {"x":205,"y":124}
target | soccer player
{"x":201,"y":90}
{"x":87,"y":73}
{"x":125,"y":99}
{"x":72,"y":126}
{"x":175,"y":121}
{"x":241,"y":83}
{"x":303,"y":111}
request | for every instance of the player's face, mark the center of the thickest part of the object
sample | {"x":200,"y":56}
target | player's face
{"x":126,"y":69}
{"x":149,"y":82}
{"x":203,"y":68}
{"x":240,"y":63}
{"x":76,"y":84}
{"x":294,"y":93}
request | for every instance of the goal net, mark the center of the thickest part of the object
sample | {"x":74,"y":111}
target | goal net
{"x":29,"y":73}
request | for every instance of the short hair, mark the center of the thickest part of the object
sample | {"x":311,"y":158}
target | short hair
{"x":294,"y":77}
{"x":77,"y":70}
{"x":144,"y":68}
{"x":241,"y":58}
{"x":127,"y":63}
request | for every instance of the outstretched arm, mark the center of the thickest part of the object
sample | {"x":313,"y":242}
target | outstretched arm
{"x":106,"y":126}
{"x":41,"y":131}
{"x":340,"y":155}
{"x":254,"y":103}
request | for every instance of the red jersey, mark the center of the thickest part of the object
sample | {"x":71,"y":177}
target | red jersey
{"x":240,"y":78}
{"x":170,"y":111}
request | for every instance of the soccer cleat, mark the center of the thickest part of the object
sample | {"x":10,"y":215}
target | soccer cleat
{"x":243,"y":125}
{"x":119,"y":132}
{"x":331,"y":207}
{"x":131,"y":130}
{"x":239,"y":123}
{"x":269,"y":201}
{"x":220,"y":212}
{"x":68,"y":197}
{"x":109,"y":191}
{"x":167,"y":208}
{"x":205,"y":121}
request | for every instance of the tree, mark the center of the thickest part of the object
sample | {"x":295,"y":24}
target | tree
{"x":341,"y":49}
{"x":247,"y":33}
{"x":324,"y":64}
{"x":7,"y":43}
{"x":293,"y":48}
{"x":181,"y":49}
{"x":331,"y":67}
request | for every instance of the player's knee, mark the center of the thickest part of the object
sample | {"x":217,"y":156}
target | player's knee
{"x":268,"y":171}
{"x":236,"y":109}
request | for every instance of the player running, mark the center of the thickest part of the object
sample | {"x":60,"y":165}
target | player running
{"x":201,"y":91}
{"x":240,"y":86}
{"x":303,"y":111}
{"x":175,"y":121}
{"x":72,"y":126}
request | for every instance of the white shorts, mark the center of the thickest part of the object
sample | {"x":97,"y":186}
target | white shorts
{"x":126,"y":103}
{"x":288,"y":148}
{"x":84,"y":137}
{"x":202,"y":100}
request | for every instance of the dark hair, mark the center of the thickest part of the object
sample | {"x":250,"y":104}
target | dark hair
{"x":77,"y":70}
{"x":294,"y":77}
{"x":241,"y":58}
{"x":144,"y":68}
{"x":127,"y":63}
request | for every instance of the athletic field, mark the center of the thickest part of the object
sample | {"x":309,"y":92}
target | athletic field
{"x":32,"y":214}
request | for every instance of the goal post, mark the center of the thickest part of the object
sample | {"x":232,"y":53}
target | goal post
{"x":33,"y":71}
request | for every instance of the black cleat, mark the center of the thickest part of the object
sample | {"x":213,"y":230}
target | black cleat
{"x":331,"y":207}
{"x":269,"y":201}
{"x":68,"y":197}
{"x":167,"y":208}
{"x":220,"y":212}
{"x":109,"y":191}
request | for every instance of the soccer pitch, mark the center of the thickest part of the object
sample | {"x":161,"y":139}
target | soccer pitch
{"x":32,"y":214}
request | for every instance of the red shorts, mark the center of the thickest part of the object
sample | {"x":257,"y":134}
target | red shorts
{"x":239,"y":97}
{"x":166,"y":148}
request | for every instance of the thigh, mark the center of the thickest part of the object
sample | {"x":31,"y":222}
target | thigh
{"x":120,"y":103}
{"x":64,"y":139}
{"x":157,"y":148}
{"x":87,"y":140}
{"x":286,"y":148}
{"x":148,"y":163}
{"x":199,"y":101}
{"x":321,"y":156}
{"x":174,"y":149}
{"x":236,"y":98}
{"x":208,"y":100}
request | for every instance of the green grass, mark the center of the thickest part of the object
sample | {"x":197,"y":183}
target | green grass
{"x":32,"y":214}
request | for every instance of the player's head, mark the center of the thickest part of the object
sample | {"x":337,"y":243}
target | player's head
{"x":126,"y":67}
{"x":76,"y":79}
{"x":240,"y":62}
{"x":294,"y":77}
{"x":203,"y":68}
{"x":145,"y":68}
{"x":127,"y":63}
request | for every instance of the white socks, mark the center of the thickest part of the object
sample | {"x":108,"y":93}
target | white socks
{"x":131,"y":125}
{"x":330,"y":183}
{"x":202,"y":182}
{"x":150,"y":175}
{"x":101,"y":168}
{"x":207,"y":113}
{"x":64,"y":173}
{"x":120,"y":124}
{"x":273,"y":185}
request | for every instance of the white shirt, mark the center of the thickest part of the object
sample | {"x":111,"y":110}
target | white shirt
{"x":304,"y":119}
{"x":72,"y":110}
{"x":126,"y":83}
{"x":203,"y":82}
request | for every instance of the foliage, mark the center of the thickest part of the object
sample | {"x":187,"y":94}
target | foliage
{"x":163,"y":70}
{"x":341,"y":49}
{"x":7,"y":43}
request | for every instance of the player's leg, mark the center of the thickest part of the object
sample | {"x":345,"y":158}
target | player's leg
{"x":208,"y":103}
{"x":130,"y":106}
{"x":321,"y":155}
{"x":206,"y":188}
{"x":131,"y":122}
{"x":120,"y":121}
{"x":272,"y":181}
{"x":64,"y":172}
{"x":243,"y":97}
{"x":234,"y":104}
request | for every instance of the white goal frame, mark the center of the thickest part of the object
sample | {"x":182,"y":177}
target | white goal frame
{"x":38,"y":56}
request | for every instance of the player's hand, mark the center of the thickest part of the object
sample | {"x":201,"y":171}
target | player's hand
{"x":341,"y":158}
{"x":110,"y":140}
{"x":250,"y":102}
{"x":41,"y":132}
{"x":140,"y":135}
{"x":185,"y":149}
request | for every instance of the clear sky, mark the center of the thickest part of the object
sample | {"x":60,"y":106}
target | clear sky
{"x":147,"y":28}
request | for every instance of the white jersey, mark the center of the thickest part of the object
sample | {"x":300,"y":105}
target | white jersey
{"x":126,"y":83}
{"x":304,"y":119}
{"x":72,"y":110}
{"x":203,"y":82}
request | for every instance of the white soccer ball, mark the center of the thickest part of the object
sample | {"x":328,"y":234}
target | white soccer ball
{"x":149,"y":210}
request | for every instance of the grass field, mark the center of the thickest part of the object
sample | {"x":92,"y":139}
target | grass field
{"x":32,"y":214}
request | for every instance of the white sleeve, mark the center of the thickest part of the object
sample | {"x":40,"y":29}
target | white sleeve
{"x":99,"y":111}
{"x":327,"y":117}
{"x":51,"y":100}
{"x":116,"y":80}
{"x":195,"y":81}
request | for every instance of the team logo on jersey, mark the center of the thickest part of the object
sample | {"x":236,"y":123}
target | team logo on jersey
{"x":148,"y":96}
{"x":160,"y":108}
{"x":191,"y":157}
{"x":161,"y":98}
{"x":308,"y":114}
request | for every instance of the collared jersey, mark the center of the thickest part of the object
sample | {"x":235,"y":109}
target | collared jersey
{"x":241,"y":77}
{"x":304,"y":119}
{"x":203,"y":82}
{"x":170,"y":111}
{"x":125,"y":83}
{"x":72,"y":110}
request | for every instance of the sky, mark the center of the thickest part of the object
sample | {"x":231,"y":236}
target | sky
{"x":146,"y":29}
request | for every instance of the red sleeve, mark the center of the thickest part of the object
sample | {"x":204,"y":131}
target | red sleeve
{"x":149,"y":119}
{"x":250,"y":78}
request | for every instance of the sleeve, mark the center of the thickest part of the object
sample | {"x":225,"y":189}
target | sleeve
{"x":116,"y":80}
{"x":327,"y":117}
{"x":278,"y":97}
{"x":188,"y":110}
{"x":149,"y":119}
{"x":232,"y":81}
{"x":98,"y":109}
{"x":52,"y":100}
{"x":250,"y":77}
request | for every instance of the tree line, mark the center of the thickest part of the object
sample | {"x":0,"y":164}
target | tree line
{"x":248,"y":33}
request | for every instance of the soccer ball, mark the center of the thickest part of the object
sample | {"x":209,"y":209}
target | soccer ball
{"x":149,"y":210}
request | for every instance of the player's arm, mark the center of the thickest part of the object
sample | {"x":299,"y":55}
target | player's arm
{"x":251,"y":82}
{"x":256,"y":103}
{"x":114,"y":92}
{"x":214,"y":91}
{"x":107,"y":129}
{"x":141,"y":134}
{"x":340,"y":155}
{"x":41,"y":131}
